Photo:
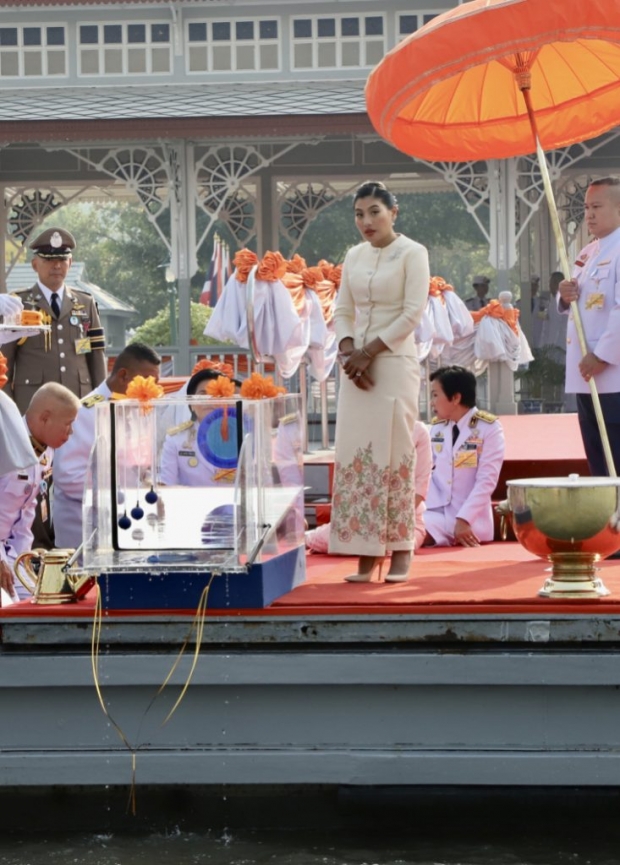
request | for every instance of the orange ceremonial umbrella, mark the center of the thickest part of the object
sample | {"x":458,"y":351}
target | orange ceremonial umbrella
{"x":493,"y":79}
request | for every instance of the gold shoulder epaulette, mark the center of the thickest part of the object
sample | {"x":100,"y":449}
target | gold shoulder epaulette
{"x":181,"y":427}
{"x":438,"y":420}
{"x":486,"y":416}
{"x":289,"y":418}
{"x":90,"y":401}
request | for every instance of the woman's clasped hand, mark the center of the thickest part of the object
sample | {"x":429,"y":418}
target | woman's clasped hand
{"x":355,"y":366}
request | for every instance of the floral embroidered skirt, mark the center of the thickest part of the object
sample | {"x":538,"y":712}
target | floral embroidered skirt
{"x":373,"y":507}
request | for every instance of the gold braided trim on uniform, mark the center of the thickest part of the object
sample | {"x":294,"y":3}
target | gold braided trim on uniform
{"x":90,"y":401}
{"x":174,"y":430}
{"x":38,"y":447}
{"x":485,"y":416}
{"x":436,"y":420}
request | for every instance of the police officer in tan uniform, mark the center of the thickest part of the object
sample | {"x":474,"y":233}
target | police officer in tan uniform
{"x":72,"y":352}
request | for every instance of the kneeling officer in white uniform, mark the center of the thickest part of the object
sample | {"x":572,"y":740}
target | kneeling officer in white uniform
{"x":468,"y":452}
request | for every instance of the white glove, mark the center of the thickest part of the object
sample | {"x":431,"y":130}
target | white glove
{"x":10,"y":305}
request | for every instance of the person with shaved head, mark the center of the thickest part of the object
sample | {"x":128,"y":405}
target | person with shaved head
{"x":595,"y":286}
{"x":48,"y":422}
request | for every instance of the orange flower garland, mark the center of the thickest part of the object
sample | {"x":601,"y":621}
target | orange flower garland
{"x":3,"y":371}
{"x":223,"y":388}
{"x":142,"y":389}
{"x":224,"y":368}
{"x":260,"y":387}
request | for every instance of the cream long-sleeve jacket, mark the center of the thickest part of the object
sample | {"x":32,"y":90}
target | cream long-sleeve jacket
{"x":382,"y":294}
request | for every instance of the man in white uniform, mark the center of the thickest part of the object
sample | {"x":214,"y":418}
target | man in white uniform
{"x":595,"y":285}
{"x":48,"y":422}
{"x":468,"y":452}
{"x":16,"y":452}
{"x":71,"y":461}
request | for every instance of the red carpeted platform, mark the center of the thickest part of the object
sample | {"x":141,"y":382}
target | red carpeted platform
{"x":492,"y":579}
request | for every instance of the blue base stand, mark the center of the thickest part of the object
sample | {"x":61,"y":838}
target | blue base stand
{"x":250,"y":590}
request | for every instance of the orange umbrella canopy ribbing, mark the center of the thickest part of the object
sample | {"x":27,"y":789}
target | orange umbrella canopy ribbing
{"x":451,"y":91}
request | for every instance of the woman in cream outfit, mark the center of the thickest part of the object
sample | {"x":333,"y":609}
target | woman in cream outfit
{"x":383,"y":292}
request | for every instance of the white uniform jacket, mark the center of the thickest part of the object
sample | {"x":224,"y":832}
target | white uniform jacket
{"x":18,"y":498}
{"x":597,"y":271}
{"x":70,"y":464}
{"x":15,"y":449}
{"x":464,"y":475}
{"x":383,"y":294}
{"x":182,"y":463}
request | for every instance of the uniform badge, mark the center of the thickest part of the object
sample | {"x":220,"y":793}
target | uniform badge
{"x":193,"y":462}
{"x":73,"y":320}
{"x":595,"y":300}
{"x":56,"y":240}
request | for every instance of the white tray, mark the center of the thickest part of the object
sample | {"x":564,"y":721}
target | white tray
{"x":23,"y":328}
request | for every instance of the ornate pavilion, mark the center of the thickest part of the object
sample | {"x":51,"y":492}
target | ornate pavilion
{"x":245,"y":112}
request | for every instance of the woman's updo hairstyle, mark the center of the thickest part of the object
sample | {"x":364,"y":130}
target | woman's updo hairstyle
{"x":376,"y":189}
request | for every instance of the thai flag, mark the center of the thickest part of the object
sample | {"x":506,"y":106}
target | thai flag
{"x":209,"y":293}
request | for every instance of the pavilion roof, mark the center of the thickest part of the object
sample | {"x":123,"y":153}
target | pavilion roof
{"x":107,"y":102}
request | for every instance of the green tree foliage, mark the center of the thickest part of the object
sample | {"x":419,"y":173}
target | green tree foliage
{"x":156,"y":331}
{"x":122,"y":250}
{"x":439,"y":220}
{"x":124,"y":253}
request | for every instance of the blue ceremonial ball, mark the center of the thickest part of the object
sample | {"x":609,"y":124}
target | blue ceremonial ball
{"x":124,"y":522}
{"x":137,"y":513}
{"x":151,"y":497}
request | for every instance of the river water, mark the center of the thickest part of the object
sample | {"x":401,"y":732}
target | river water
{"x":566,"y":828}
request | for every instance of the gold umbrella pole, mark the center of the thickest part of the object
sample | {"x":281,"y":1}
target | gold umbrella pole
{"x":559,"y":239}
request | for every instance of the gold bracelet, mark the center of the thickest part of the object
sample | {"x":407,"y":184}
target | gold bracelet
{"x":365,"y":353}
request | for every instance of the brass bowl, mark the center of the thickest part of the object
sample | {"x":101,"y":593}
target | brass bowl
{"x":573,"y":522}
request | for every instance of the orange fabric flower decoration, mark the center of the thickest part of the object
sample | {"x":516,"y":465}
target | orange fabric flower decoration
{"x":3,"y":370}
{"x":325,"y":267}
{"x":494,"y":309}
{"x":221,"y":387}
{"x":311,"y":276}
{"x":438,"y":285}
{"x":217,"y":366}
{"x":335,"y":275}
{"x":243,"y":263}
{"x":295,"y":285}
{"x":296,"y":264}
{"x":260,"y":387}
{"x":272,"y":267}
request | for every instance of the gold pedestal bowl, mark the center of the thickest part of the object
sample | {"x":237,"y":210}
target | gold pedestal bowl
{"x":572,"y":522}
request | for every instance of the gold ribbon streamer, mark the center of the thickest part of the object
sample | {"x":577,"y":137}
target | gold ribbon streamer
{"x":198,"y":624}
{"x":94,"y":657}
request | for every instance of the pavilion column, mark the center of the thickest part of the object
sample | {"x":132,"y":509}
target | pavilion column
{"x":267,"y":235}
{"x":3,"y":228}
{"x":183,"y":244}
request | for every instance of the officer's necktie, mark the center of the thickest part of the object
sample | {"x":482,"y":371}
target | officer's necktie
{"x":55,"y":305}
{"x":455,"y":434}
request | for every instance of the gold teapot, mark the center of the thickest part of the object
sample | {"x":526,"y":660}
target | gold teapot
{"x":53,"y":583}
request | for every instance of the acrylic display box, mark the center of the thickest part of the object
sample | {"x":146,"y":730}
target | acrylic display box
{"x":188,"y":491}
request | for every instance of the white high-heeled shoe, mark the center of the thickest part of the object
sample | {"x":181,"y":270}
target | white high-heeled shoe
{"x":366,"y":576}
{"x":399,"y":576}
